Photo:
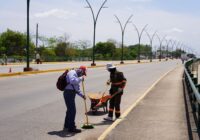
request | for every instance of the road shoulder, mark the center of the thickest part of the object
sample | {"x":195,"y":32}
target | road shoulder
{"x":160,"y":115}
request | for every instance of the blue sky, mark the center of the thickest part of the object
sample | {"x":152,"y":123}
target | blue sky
{"x":178,"y":19}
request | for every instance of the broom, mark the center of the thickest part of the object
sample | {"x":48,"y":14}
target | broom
{"x":86,"y":125}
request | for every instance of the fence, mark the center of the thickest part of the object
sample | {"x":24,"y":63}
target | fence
{"x":191,"y":80}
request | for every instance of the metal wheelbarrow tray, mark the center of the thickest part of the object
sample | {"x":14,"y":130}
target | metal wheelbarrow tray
{"x":95,"y":99}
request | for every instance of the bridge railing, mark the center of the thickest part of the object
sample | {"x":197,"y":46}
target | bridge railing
{"x":191,"y":80}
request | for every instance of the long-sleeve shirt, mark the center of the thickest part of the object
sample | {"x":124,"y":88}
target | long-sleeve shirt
{"x":74,"y":82}
{"x":117,"y":80}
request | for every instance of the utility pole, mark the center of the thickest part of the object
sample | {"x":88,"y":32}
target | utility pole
{"x":36,"y":42}
{"x":123,"y":31}
{"x":27,"y":68}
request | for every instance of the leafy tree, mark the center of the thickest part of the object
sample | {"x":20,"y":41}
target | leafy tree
{"x":52,"y":42}
{"x":71,"y":52}
{"x":106,"y":49}
{"x":48,"y":54}
{"x":133,"y":51}
{"x":14,"y":43}
{"x":84,"y":49}
{"x":2,"y":48}
{"x":145,"y":50}
{"x":117,"y":54}
{"x":60,"y":49}
{"x":64,"y":38}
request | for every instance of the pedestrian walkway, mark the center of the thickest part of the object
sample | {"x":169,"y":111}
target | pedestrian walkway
{"x":159,"y":116}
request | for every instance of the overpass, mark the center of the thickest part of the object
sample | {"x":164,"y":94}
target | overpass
{"x":153,"y":107}
{"x":168,"y":111}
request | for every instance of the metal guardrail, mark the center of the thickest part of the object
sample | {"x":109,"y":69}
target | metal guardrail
{"x":193,"y":89}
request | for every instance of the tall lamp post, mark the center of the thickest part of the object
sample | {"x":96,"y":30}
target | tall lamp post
{"x":173,"y":43}
{"x":160,"y":41}
{"x":27,"y":68}
{"x":95,"y":23}
{"x":179,"y":48}
{"x":139,"y":38}
{"x":151,"y":43}
{"x":123,"y":31}
{"x":36,"y":41}
{"x":167,"y":49}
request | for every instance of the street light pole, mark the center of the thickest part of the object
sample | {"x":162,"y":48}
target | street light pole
{"x":160,"y":41}
{"x":36,"y":42}
{"x":177,"y":45}
{"x":167,"y":41}
{"x":151,"y":43}
{"x":123,"y":31}
{"x":28,"y":40}
{"x":173,"y":43}
{"x":95,"y":23}
{"x":139,"y":38}
{"x":181,"y":49}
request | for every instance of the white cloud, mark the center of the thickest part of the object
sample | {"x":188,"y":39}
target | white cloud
{"x":175,"y":30}
{"x":58,"y":13}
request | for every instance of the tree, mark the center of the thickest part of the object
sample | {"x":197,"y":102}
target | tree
{"x":60,"y":49}
{"x":71,"y":51}
{"x":132,"y":50}
{"x":48,"y":54}
{"x":106,"y":49}
{"x":145,"y":50}
{"x":2,"y":48}
{"x":52,"y":42}
{"x":14,"y":43}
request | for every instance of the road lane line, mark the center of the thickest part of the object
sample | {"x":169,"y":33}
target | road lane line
{"x":114,"y":124}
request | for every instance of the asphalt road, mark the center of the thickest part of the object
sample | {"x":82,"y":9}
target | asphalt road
{"x":32,"y":108}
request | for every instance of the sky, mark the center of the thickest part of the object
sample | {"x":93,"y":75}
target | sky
{"x":176,"y":19}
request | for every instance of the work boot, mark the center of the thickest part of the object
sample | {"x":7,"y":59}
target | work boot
{"x":108,"y":119}
{"x":74,"y":130}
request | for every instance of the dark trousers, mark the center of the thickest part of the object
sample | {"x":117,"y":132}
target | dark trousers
{"x":69,"y":97}
{"x":115,"y":105}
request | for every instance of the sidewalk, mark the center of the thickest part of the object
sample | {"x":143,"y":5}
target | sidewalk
{"x":159,"y":116}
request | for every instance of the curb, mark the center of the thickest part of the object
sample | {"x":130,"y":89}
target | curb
{"x":58,"y":70}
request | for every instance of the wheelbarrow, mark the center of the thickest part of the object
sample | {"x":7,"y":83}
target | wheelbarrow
{"x":95,"y":99}
{"x":104,"y":99}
